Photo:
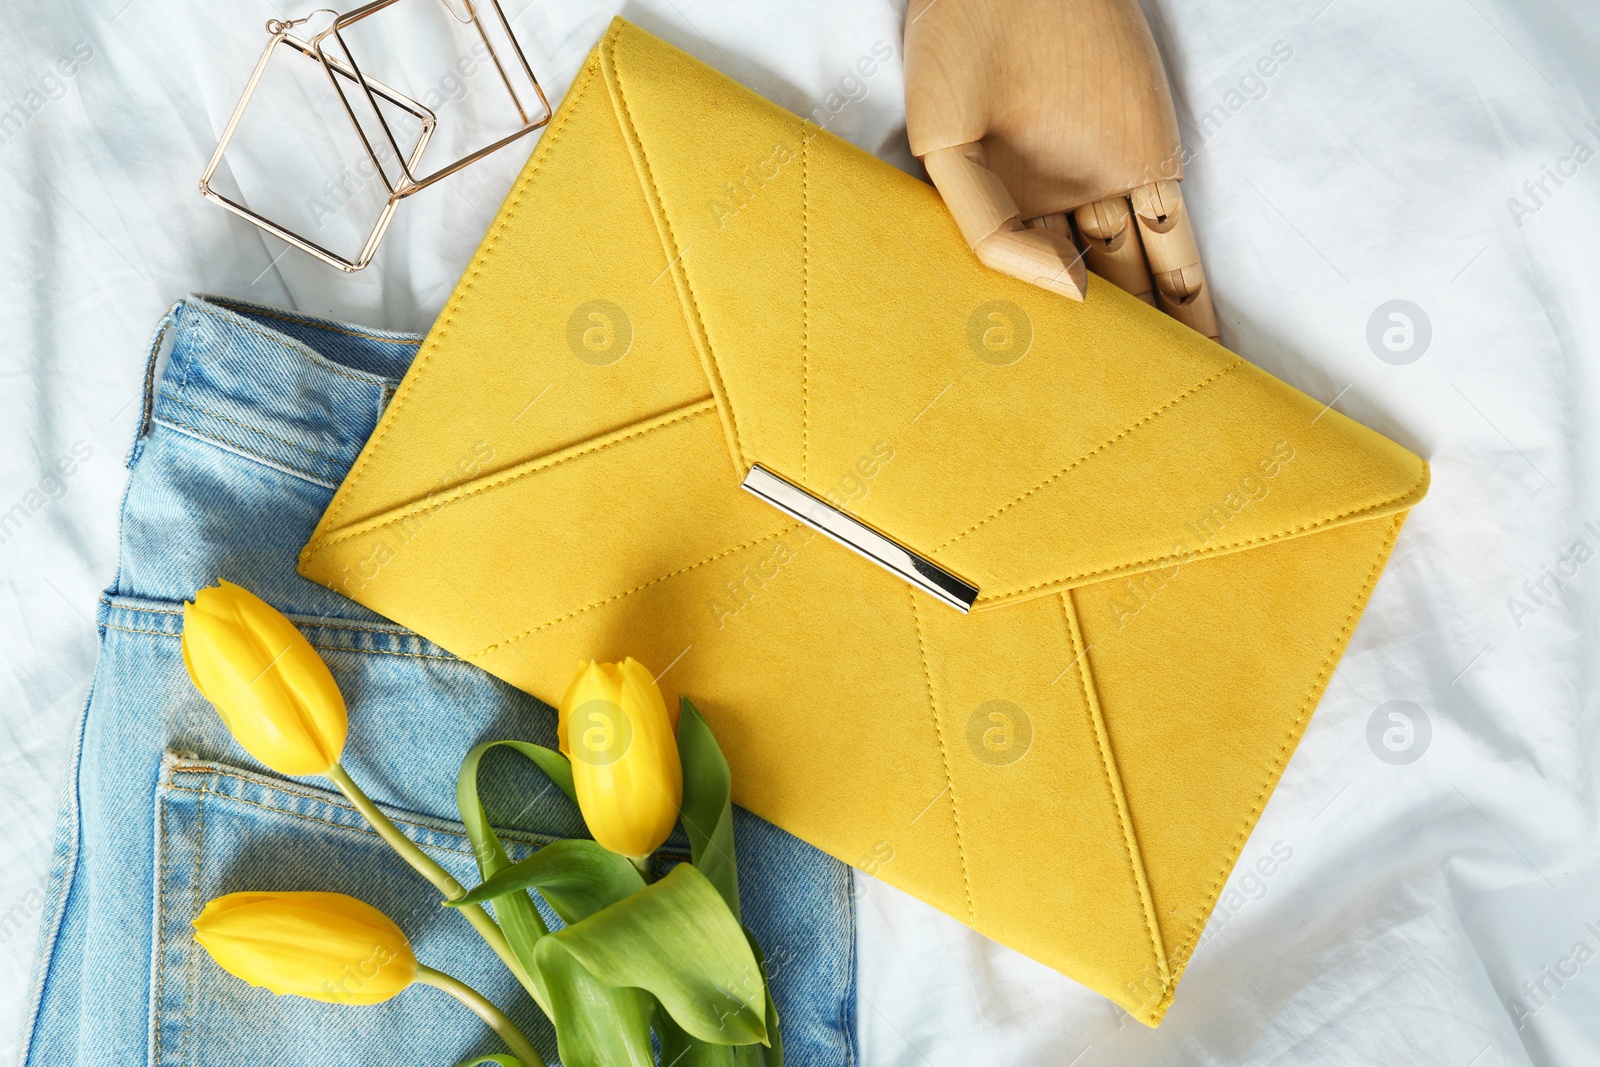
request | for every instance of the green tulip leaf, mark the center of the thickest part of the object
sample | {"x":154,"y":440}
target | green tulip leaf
{"x":681,"y":1050}
{"x":772,"y":1053}
{"x":498,"y":1061}
{"x":555,"y":766}
{"x":577,"y":877}
{"x":677,"y":940}
{"x":708,"y":820}
{"x":707,"y":810}
{"x":596,"y":1025}
{"x":518,"y":917}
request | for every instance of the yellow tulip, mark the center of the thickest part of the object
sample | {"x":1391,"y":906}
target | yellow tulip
{"x":325,"y":946}
{"x":273,"y":691}
{"x":623,"y":744}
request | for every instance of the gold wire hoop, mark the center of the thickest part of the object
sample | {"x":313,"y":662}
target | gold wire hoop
{"x":344,"y":73}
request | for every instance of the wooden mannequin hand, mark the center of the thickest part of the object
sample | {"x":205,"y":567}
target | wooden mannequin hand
{"x":1029,"y":114}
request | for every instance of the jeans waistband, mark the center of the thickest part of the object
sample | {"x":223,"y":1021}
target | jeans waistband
{"x":297,"y":393}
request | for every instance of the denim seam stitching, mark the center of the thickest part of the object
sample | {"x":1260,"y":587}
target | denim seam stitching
{"x":55,"y":914}
{"x":209,"y":770}
{"x":271,"y":461}
{"x":277,"y":342}
{"x":395,"y":631}
{"x":117,"y":607}
{"x":386,"y":652}
{"x":330,"y":625}
{"x":158,"y":982}
{"x":199,"y":855}
{"x":108,"y":602}
{"x":316,"y":819}
{"x":183,"y":382}
{"x":325,"y":647}
{"x":246,"y":308}
{"x":215,"y":771}
{"x":254,"y":429}
{"x":131,"y":630}
{"x":147,"y":406}
{"x":847,"y":1003}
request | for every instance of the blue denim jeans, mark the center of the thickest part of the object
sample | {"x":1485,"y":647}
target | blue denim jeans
{"x":244,"y":438}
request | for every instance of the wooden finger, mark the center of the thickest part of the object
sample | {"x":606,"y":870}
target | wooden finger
{"x":1111,"y":244}
{"x":988,"y":219}
{"x":1174,"y":256}
{"x":976,"y":198}
{"x":1037,"y":256}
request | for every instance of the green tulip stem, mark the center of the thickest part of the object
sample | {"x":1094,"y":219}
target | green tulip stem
{"x":430,"y":870}
{"x":642,"y":865}
{"x":391,"y":833}
{"x":483,"y":1009}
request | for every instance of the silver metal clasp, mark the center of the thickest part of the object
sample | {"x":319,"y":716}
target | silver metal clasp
{"x":861,"y":539}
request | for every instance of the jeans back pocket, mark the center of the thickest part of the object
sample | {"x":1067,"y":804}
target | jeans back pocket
{"x":222,"y":830}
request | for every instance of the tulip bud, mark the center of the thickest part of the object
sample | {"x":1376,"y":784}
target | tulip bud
{"x":623,"y":744}
{"x":272,"y":690}
{"x":325,"y":946}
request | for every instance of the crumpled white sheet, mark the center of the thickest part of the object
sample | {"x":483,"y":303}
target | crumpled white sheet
{"x":1444,"y":910}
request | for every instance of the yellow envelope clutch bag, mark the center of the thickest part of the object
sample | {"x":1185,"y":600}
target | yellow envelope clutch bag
{"x":699,"y":330}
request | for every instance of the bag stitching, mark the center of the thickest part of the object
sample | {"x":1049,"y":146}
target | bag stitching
{"x":1113,"y":781}
{"x":944,"y":756}
{"x":609,"y":46}
{"x":805,"y":306}
{"x":1281,"y":535}
{"x":547,"y":143}
{"x":618,"y":596}
{"x":500,"y":481}
{"x":1275,"y":771}
{"x":1093,"y":452}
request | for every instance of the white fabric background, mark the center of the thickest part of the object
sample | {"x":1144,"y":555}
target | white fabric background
{"x":1421,"y":905}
